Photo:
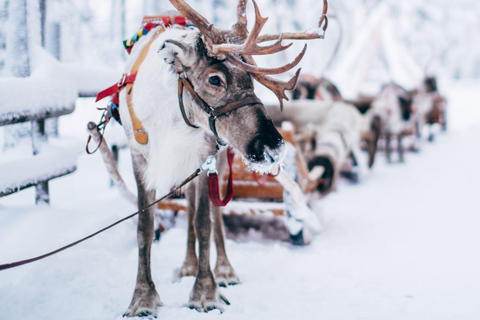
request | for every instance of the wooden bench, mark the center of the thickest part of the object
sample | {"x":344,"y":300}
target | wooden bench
{"x":46,"y":163}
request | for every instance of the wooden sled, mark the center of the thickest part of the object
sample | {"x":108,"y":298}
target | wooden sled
{"x":250,"y":198}
{"x":265,"y":196}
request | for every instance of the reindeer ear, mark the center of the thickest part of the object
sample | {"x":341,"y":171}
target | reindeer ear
{"x":177,"y":53}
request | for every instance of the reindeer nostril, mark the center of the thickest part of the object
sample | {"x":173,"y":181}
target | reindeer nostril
{"x":261,"y":149}
{"x":255,"y":150}
{"x":270,"y":155}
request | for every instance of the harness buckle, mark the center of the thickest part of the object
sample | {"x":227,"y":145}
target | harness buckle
{"x":122,"y":80}
{"x":210,"y":164}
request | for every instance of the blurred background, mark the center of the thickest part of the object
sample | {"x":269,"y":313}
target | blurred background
{"x":441,"y":36}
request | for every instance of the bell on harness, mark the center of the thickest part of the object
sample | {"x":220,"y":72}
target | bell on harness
{"x":112,"y":112}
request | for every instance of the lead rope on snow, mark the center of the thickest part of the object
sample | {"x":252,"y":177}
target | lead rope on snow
{"x":205,"y":166}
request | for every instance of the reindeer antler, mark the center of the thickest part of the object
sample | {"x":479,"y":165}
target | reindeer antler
{"x":250,"y":46}
{"x":240,"y":28}
{"x":226,"y":44}
{"x":211,"y":34}
{"x":318,"y":33}
{"x":277,"y":86}
{"x":258,"y":70}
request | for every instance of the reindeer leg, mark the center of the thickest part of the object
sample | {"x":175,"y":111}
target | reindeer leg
{"x":145,"y":299}
{"x":431,"y":135}
{"x":224,"y":273}
{"x":443,"y":121}
{"x":189,"y":267}
{"x":376,"y":127}
{"x":388,"y":146}
{"x":418,"y":136}
{"x":205,"y":295}
{"x":400,"y":147}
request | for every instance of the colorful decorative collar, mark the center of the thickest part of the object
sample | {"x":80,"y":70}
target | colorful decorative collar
{"x":150,"y":22}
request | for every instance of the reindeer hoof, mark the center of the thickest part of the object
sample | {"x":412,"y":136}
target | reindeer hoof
{"x":415,"y":148}
{"x":145,"y":306}
{"x":206,"y":296}
{"x":150,"y":314}
{"x":187,"y":270}
{"x":300,"y":239}
{"x":205,"y":305}
{"x":225,"y":275}
{"x":144,"y":314}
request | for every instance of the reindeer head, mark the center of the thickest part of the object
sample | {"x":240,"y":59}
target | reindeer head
{"x":217,"y":69}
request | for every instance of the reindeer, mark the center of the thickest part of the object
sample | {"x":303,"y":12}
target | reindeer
{"x":312,"y":88}
{"x":216,"y":68}
{"x":429,"y":107}
{"x":393,"y":107}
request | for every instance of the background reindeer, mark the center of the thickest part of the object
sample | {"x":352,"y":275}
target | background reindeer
{"x":393,"y":107}
{"x":429,"y":107}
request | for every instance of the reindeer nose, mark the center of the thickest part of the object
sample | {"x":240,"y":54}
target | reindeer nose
{"x":266,"y":147}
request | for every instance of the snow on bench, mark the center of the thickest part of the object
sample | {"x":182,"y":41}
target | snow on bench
{"x":26,"y":115}
{"x":49,"y":92}
{"x":52,"y":163}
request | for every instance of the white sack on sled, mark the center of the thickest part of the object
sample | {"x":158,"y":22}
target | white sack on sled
{"x":338,"y":132}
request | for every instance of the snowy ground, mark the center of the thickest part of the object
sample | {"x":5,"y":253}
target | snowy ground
{"x":402,"y":244}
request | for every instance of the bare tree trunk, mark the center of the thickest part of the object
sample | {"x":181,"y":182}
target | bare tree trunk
{"x":117,"y":30}
{"x":17,"y":60}
{"x":17,"y":39}
{"x":43,"y":15}
{"x":122,"y":21}
{"x":54,"y":48}
{"x":51,"y":42}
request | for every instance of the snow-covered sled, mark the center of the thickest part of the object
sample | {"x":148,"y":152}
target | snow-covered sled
{"x":281,"y":195}
{"x":328,"y":133}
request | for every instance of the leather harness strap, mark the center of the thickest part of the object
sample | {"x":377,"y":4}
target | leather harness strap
{"x":116,"y":88}
{"x":182,"y":107}
{"x":213,"y":113}
{"x":141,"y":136}
{"x":127,"y":81}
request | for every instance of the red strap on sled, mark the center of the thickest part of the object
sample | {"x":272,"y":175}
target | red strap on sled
{"x":260,"y":180}
{"x":214,"y":190}
{"x":264,"y":177}
{"x":116,"y":88}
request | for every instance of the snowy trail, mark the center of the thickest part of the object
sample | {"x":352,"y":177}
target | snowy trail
{"x":402,"y":244}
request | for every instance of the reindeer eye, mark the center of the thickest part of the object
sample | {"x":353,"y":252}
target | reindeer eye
{"x":215,"y":80}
